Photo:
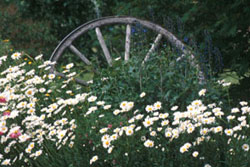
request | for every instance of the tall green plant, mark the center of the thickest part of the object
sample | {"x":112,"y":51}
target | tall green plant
{"x":163,"y":76}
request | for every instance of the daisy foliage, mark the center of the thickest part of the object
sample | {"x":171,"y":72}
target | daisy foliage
{"x":49,"y":121}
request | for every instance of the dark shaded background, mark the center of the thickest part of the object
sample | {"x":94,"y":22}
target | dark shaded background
{"x":220,"y":28}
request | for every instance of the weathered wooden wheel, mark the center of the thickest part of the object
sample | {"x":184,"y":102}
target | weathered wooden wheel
{"x":96,"y":25}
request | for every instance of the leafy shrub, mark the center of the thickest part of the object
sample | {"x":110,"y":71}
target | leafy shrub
{"x":28,"y":34}
{"x":163,"y":76}
{"x":227,"y":23}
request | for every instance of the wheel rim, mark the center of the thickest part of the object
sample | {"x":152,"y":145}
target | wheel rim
{"x":96,"y":24}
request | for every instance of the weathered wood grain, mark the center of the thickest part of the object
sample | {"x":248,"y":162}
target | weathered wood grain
{"x":103,"y":45}
{"x":79,"y":54}
{"x":127,"y":42}
{"x":153,"y":47}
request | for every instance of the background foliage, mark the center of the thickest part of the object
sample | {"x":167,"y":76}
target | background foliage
{"x":112,"y":120}
{"x":215,"y":30}
{"x":203,"y":24}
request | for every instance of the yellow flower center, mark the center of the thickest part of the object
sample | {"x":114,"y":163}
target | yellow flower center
{"x":29,"y":92}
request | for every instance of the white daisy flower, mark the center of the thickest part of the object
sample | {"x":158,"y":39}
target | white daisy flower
{"x":202,"y":92}
{"x":69,"y":66}
{"x":92,"y":98}
{"x":174,"y":108}
{"x":129,"y":131}
{"x":30,"y":92}
{"x":106,"y":107}
{"x":6,"y":162}
{"x":157,"y":105}
{"x":93,"y":159}
{"x":149,"y":143}
{"x":245,"y":147}
{"x":39,"y":57}
{"x":51,"y":76}
{"x":149,"y":108}
{"x":16,"y":55}
{"x":142,"y":94}
{"x":38,"y":153}
{"x":195,"y":154}
{"x":229,"y":132}
{"x":106,"y":143}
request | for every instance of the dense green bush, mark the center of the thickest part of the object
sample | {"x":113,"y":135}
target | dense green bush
{"x":227,"y":23}
{"x":30,"y":35}
{"x":162,"y":76}
{"x":62,"y":16}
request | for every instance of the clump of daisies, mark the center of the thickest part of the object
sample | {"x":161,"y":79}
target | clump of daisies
{"x":31,"y":111}
{"x":185,"y":131}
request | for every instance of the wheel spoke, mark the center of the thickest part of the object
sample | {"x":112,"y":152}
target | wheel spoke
{"x":103,"y":45}
{"x":78,"y":53}
{"x":127,"y":43}
{"x":153,"y":47}
{"x":84,"y":59}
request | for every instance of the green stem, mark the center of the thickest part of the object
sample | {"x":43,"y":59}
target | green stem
{"x":228,"y":97}
{"x":29,"y":56}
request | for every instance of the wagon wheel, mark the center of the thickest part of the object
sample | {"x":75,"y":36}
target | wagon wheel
{"x":95,"y":25}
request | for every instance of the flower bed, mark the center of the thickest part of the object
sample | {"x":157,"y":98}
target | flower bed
{"x":48,"y":121}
